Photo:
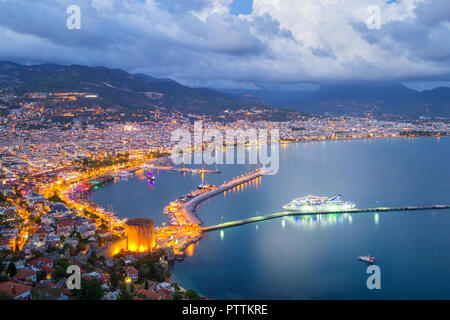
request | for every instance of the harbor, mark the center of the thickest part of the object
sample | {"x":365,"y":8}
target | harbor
{"x":315,"y":243}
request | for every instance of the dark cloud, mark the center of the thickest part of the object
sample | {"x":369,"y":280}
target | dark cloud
{"x":268,"y":26}
{"x":323,"y":53}
{"x":199,"y":41}
{"x":426,"y":36}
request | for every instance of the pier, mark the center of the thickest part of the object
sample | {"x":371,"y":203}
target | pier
{"x":290,"y":213}
{"x":189,"y":207}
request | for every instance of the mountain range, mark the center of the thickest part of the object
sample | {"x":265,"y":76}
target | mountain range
{"x":360,"y":99}
{"x":118,"y":88}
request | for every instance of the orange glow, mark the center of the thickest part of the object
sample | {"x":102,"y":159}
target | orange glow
{"x":190,"y":250}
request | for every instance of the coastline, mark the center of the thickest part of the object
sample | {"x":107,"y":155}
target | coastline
{"x":191,"y":206}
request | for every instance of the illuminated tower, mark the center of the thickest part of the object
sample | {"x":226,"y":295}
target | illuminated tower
{"x":140,"y":235}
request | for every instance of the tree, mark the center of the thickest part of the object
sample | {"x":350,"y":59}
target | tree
{"x":124,"y":294}
{"x":38,"y":221}
{"x":191,"y":295}
{"x":11,"y":271}
{"x":177,"y":296}
{"x":56,"y":198}
{"x":90,"y":290}
{"x":158,"y":273}
{"x":60,"y":269}
{"x":5,"y":296}
{"x":145,"y":270}
{"x":114,"y":280}
{"x":41,"y":275}
{"x":39,"y":294}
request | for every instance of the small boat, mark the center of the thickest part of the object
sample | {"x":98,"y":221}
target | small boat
{"x":204,"y":186}
{"x":123,"y":173}
{"x":368,"y":259}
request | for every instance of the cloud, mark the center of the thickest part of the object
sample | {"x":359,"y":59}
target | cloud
{"x":422,"y":37}
{"x":281,"y":43}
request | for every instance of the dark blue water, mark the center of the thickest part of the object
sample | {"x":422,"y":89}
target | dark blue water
{"x":315,"y":257}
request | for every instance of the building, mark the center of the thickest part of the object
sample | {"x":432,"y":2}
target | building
{"x":140,"y":235}
{"x":40,"y":262}
{"x":132,"y":273}
{"x":65,"y":227}
{"x":16,"y":290}
{"x":5,"y":244}
{"x":26,"y":275}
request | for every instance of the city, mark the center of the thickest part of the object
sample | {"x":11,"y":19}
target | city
{"x":136,"y":138}
{"x":43,"y":169}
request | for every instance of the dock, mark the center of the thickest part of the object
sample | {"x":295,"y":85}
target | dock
{"x":187,"y":170}
{"x":290,"y":213}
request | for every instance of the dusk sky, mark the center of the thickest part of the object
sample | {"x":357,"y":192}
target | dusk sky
{"x":237,"y":44}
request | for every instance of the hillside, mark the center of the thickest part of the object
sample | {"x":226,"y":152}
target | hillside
{"x":115,"y":87}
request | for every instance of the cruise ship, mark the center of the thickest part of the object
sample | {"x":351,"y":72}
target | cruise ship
{"x":319,"y":204}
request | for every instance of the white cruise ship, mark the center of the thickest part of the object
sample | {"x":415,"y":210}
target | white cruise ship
{"x":319,"y":204}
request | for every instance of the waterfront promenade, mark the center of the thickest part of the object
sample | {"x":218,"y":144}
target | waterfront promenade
{"x":289,"y":213}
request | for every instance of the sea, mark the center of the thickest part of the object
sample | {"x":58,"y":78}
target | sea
{"x":312,"y":256}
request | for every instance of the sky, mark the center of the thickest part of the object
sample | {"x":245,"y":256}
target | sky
{"x":238,"y":7}
{"x":246,"y":44}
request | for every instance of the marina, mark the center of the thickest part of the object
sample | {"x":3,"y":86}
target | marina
{"x":183,"y":170}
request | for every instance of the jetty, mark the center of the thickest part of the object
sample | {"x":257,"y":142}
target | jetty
{"x":189,"y":207}
{"x":291,"y":213}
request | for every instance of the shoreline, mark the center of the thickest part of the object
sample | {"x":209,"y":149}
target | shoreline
{"x":191,"y":206}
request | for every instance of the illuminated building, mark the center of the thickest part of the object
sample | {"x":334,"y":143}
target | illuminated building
{"x":140,"y":235}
